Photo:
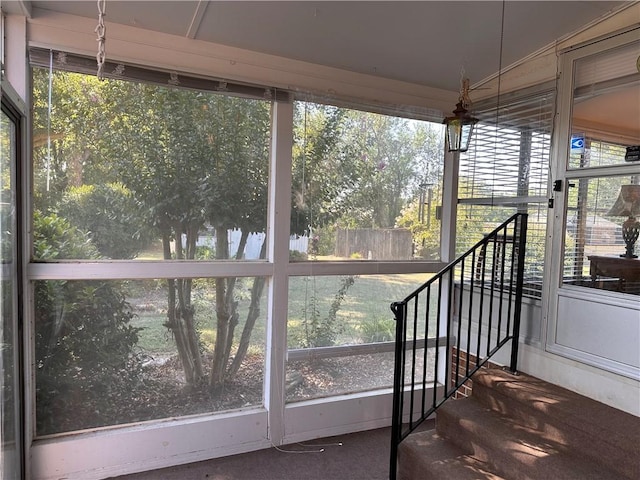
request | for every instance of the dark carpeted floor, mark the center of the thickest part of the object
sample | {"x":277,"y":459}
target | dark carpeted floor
{"x":357,"y":456}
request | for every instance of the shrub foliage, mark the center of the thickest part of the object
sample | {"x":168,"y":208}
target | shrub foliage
{"x":85,"y":346}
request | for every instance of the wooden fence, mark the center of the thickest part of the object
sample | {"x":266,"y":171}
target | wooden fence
{"x":374,"y":244}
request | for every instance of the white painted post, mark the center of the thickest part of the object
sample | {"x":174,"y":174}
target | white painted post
{"x":278,"y":253}
{"x":447,"y":248}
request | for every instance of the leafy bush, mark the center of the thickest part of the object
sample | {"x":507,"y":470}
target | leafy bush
{"x":326,"y":240}
{"x":205,"y":252}
{"x":296,"y":256}
{"x":378,"y":330}
{"x":85,"y":347}
{"x":322,"y":331}
{"x":111,"y":215}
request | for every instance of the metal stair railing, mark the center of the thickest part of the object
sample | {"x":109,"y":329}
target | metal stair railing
{"x":473,"y":306}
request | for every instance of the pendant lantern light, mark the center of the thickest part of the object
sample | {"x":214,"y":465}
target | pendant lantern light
{"x":460,"y":125}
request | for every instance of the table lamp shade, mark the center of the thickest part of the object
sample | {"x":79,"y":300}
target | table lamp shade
{"x":628,"y":205}
{"x":628,"y":202}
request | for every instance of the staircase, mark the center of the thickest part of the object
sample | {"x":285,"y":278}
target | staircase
{"x":519,"y":427}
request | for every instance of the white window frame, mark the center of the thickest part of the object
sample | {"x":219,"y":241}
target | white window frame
{"x":119,"y":450}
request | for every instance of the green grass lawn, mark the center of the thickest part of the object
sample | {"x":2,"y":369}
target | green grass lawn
{"x":154,"y":338}
{"x":364,"y":314}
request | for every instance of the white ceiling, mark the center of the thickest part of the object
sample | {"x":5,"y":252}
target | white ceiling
{"x":424,"y":42}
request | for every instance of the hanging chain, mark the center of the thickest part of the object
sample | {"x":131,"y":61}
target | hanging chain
{"x":464,"y":94}
{"x":101,"y":30}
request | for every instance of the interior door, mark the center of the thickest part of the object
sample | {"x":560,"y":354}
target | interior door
{"x":10,"y":383}
{"x":594,"y":290}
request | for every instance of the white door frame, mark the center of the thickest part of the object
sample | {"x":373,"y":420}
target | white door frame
{"x":570,"y":300}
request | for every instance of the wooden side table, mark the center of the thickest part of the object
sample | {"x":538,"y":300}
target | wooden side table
{"x":626,"y":270}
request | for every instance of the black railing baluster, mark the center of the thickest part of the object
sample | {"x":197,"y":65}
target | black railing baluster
{"x":459,"y":335}
{"x":483,"y":278}
{"x":495,"y":260}
{"x":425,"y":351}
{"x":470,"y":315}
{"x":396,"y":426}
{"x":413,"y":360}
{"x":514,"y":252}
{"x":447,"y":372}
{"x":499,"y":239}
{"x":502,"y":263}
{"x":519,"y":288}
{"x":405,"y":317}
{"x":437,"y":353}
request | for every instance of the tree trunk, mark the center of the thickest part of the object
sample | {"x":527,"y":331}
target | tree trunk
{"x":180,"y":315}
{"x":173,"y":321}
{"x":189,"y":311}
{"x":232,"y":305}
{"x":223,"y":315}
{"x":188,"y":331}
{"x":76,"y":165}
{"x":252,"y":316}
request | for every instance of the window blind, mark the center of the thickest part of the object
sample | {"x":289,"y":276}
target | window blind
{"x":506,"y":170}
{"x":66,"y":61}
{"x":590,"y":227}
{"x":43,"y":57}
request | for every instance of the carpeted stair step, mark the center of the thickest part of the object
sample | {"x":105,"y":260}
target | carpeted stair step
{"x":512,"y":450}
{"x":567,"y":419}
{"x":427,"y":456}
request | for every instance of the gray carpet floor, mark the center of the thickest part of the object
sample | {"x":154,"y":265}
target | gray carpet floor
{"x":356,"y":456}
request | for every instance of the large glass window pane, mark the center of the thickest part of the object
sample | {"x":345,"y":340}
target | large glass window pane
{"x":365,"y":186}
{"x":341,"y":333}
{"x":10,"y":461}
{"x":148,"y":171}
{"x":596,"y":253}
{"x":116,"y":352}
{"x":606,"y":108}
{"x":505,"y":171}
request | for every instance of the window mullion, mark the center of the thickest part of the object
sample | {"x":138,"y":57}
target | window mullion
{"x":278,"y":252}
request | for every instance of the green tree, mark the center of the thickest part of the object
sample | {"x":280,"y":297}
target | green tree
{"x":397,"y":156}
{"x":198,"y":160}
{"x":112,"y":216}
{"x":66,"y":151}
{"x":322,"y":171}
{"x":84,"y":343}
{"x":190,"y":159}
{"x":426,"y":235}
{"x":356,"y":169}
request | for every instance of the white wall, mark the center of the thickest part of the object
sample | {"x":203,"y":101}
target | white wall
{"x":542,"y":66}
{"x":600,"y":380}
{"x":15,"y":58}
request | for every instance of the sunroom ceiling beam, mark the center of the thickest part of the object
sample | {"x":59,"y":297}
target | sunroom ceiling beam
{"x":17,"y":7}
{"x":196,"y":21}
